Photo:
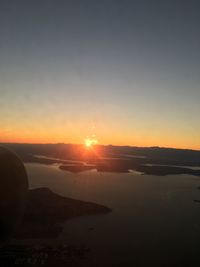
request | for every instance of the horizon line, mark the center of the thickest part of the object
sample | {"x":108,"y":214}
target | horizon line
{"x":81,"y":144}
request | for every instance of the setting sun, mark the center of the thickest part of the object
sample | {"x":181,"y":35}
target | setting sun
{"x":89,"y":142}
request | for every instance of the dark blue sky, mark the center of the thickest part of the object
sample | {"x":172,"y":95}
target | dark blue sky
{"x":128,"y":67}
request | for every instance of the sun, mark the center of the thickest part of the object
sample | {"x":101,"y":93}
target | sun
{"x":90,"y":142}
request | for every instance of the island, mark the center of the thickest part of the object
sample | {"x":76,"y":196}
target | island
{"x":119,"y":159}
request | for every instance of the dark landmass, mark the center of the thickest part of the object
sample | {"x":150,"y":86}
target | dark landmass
{"x":61,"y":255}
{"x":123,"y":168}
{"x":153,"y":155}
{"x":112,"y":158}
{"x":166,"y":170}
{"x":46,"y":211}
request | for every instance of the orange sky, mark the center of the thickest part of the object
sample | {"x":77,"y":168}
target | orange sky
{"x":104,"y":136}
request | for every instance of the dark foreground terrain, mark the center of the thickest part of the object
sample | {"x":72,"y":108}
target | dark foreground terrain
{"x":46,"y":211}
{"x":45,"y":256}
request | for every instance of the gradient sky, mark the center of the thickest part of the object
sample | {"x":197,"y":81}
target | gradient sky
{"x":127,"y":71}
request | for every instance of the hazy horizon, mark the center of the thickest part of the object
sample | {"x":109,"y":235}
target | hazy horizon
{"x":114,"y":145}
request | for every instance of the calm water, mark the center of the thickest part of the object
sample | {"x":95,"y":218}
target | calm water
{"x":154,"y":219}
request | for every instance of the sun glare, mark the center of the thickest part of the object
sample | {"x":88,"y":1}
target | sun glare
{"x":89,"y":142}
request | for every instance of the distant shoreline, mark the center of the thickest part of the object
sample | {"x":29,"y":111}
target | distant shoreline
{"x":121,"y":159}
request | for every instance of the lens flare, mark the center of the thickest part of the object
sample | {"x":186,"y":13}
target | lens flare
{"x":89,"y":142}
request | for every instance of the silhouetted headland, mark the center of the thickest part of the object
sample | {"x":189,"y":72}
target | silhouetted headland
{"x":46,"y":211}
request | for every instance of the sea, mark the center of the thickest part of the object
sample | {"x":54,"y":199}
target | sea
{"x":155,"y":220}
